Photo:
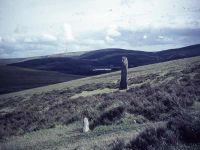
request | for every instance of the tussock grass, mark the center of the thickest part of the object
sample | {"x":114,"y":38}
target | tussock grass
{"x":91,"y":93}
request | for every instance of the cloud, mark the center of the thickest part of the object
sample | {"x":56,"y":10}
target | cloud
{"x":126,"y":2}
{"x":68,"y":34}
{"x":109,"y":39}
{"x":49,"y":37}
{"x":161,"y":37}
{"x":20,"y":30}
{"x":113,"y":23}
{"x":155,"y":36}
{"x":111,"y":33}
{"x":8,"y":39}
{"x":27,"y":45}
{"x":145,"y":37}
{"x":40,"y":39}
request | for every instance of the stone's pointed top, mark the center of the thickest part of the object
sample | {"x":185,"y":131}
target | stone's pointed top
{"x":124,"y":58}
{"x":125,"y":61}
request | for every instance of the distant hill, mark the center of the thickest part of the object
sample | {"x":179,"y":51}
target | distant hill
{"x":106,"y":60}
{"x":14,"y":79}
{"x":185,"y":52}
{"x":6,"y":61}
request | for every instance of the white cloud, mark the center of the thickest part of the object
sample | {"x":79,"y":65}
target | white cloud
{"x":112,"y":31}
{"x":38,"y":39}
{"x":109,"y":39}
{"x":161,"y":37}
{"x":68,"y":34}
{"x":126,"y":2}
{"x":93,"y":42}
{"x":48,"y":37}
{"x":9,"y":39}
{"x":28,"y":40}
{"x":145,"y":37}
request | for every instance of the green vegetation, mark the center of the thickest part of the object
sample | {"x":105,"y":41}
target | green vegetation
{"x":160,"y":98}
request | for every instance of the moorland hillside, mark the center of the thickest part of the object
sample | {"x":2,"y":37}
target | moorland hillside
{"x":159,"y":110}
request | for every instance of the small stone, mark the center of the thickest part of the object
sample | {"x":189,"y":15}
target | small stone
{"x":86,"y":125}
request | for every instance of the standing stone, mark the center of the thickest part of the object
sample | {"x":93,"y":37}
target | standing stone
{"x":124,"y":71}
{"x":86,"y":125}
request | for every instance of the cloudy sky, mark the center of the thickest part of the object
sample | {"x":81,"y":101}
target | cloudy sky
{"x":43,"y":27}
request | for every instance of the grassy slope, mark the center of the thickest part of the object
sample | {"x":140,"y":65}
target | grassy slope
{"x":63,"y":108}
{"x":165,"y":67}
{"x":15,"y":79}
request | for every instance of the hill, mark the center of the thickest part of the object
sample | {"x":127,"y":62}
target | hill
{"x":106,"y":60}
{"x":6,"y":61}
{"x":14,"y":79}
{"x":160,"y":110}
{"x":188,"y":51}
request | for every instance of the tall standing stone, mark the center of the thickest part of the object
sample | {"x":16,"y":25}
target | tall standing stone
{"x":124,"y":71}
{"x":86,"y":125}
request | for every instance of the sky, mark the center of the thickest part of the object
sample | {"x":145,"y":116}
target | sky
{"x":44,"y":27}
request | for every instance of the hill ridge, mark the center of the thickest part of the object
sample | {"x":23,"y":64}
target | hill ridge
{"x":87,"y":64}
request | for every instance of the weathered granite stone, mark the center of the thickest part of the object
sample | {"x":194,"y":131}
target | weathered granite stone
{"x":124,"y":72}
